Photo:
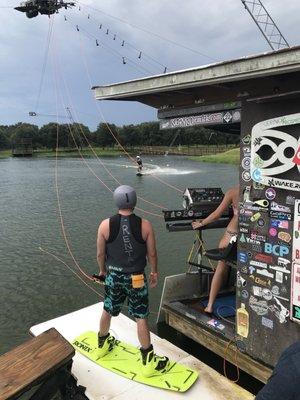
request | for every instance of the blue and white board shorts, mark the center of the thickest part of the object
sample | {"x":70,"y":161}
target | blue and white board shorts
{"x":118,"y":287}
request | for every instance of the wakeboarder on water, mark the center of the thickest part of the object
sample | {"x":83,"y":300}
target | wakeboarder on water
{"x":124,"y":244}
{"x":140,"y":165}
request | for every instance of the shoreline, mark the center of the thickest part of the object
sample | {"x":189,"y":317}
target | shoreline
{"x":228,"y":157}
{"x":86,"y":152}
{"x":231,"y":156}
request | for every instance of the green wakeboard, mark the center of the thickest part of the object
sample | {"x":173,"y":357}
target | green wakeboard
{"x":125,"y":360}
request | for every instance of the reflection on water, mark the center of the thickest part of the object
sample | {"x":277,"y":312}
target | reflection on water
{"x":35,"y":287}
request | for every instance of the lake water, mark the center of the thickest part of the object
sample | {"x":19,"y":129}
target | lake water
{"x":34,"y":286}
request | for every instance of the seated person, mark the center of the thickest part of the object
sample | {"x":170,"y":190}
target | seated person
{"x":139,"y":163}
{"x":231,"y":198}
{"x":283,"y":384}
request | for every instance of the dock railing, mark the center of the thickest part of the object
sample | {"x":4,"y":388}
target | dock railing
{"x":180,"y":150}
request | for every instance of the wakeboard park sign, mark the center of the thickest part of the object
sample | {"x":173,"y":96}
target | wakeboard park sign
{"x":215,"y":118}
{"x":275,"y":152}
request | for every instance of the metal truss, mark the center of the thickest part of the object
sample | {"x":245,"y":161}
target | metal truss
{"x":266,"y":24}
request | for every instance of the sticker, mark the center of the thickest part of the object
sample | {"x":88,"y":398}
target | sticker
{"x":262,"y":282}
{"x":244,"y":269}
{"x":258,"y":186}
{"x":244,"y":230}
{"x":279,"y":277}
{"x":276,"y":223}
{"x":264,"y":258}
{"x":257,"y":248}
{"x":260,"y":307}
{"x":279,"y":152}
{"x":243,"y":257}
{"x":275,"y":290}
{"x":240,"y":281}
{"x":276,"y":249}
{"x":280,"y":269}
{"x":247,"y":151}
{"x":264,"y":272}
{"x":246,"y":163}
{"x":262,"y":203}
{"x":290,"y":200}
{"x":267,"y":294}
{"x":280,"y":311}
{"x":268,"y":323}
{"x":245,"y":294}
{"x":251,"y":241}
{"x":216,"y":324}
{"x":273,"y":232}
{"x":262,"y":292}
{"x":286,"y":237}
{"x":246,"y":194}
{"x":280,"y":215}
{"x":258,"y":162}
{"x":255,"y":217}
{"x":256,"y":175}
{"x":278,"y":207}
{"x":251,"y":269}
{"x":296,"y":235}
{"x":283,"y":261}
{"x":246,"y":140}
{"x":243,"y":238}
{"x":260,"y":222}
{"x":258,"y":264}
{"x":244,"y":224}
{"x":270,"y":194}
{"x":246,"y":176}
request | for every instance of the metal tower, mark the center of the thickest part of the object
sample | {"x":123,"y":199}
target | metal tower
{"x":266,"y":24}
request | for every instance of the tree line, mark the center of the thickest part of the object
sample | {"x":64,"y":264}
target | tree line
{"x":144,"y":134}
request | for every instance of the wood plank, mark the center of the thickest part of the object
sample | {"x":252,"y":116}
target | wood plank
{"x":32,"y":362}
{"x":217,"y":345}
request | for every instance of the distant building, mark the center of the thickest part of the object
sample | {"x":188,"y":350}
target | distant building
{"x":22,"y":148}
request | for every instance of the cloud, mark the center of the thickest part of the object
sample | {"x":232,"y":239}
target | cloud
{"x":218,"y":30}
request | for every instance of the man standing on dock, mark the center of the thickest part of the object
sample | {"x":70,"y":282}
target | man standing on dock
{"x":124,"y":243}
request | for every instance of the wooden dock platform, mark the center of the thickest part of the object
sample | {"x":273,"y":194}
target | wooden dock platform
{"x":33,"y":363}
{"x":101,"y":384}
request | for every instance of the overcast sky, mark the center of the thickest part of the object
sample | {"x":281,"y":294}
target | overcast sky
{"x":218,"y":30}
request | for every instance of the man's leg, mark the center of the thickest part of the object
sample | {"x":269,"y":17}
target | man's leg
{"x":143,"y":332}
{"x":105,"y":321}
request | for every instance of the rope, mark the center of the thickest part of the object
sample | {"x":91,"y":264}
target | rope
{"x":63,"y":230}
{"x":48,"y":41}
{"x":97,"y":177}
{"x":124,"y":43}
{"x":109,"y":128}
{"x":71,"y":269}
{"x":224,"y":362}
{"x":117,"y":54}
{"x":148,"y":32}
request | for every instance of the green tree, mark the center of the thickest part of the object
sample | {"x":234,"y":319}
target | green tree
{"x":103,"y":136}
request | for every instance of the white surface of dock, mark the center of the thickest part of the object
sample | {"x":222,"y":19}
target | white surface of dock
{"x":102,"y":384}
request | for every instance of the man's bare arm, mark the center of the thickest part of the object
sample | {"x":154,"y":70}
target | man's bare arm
{"x":101,"y":245}
{"x":148,"y":235}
